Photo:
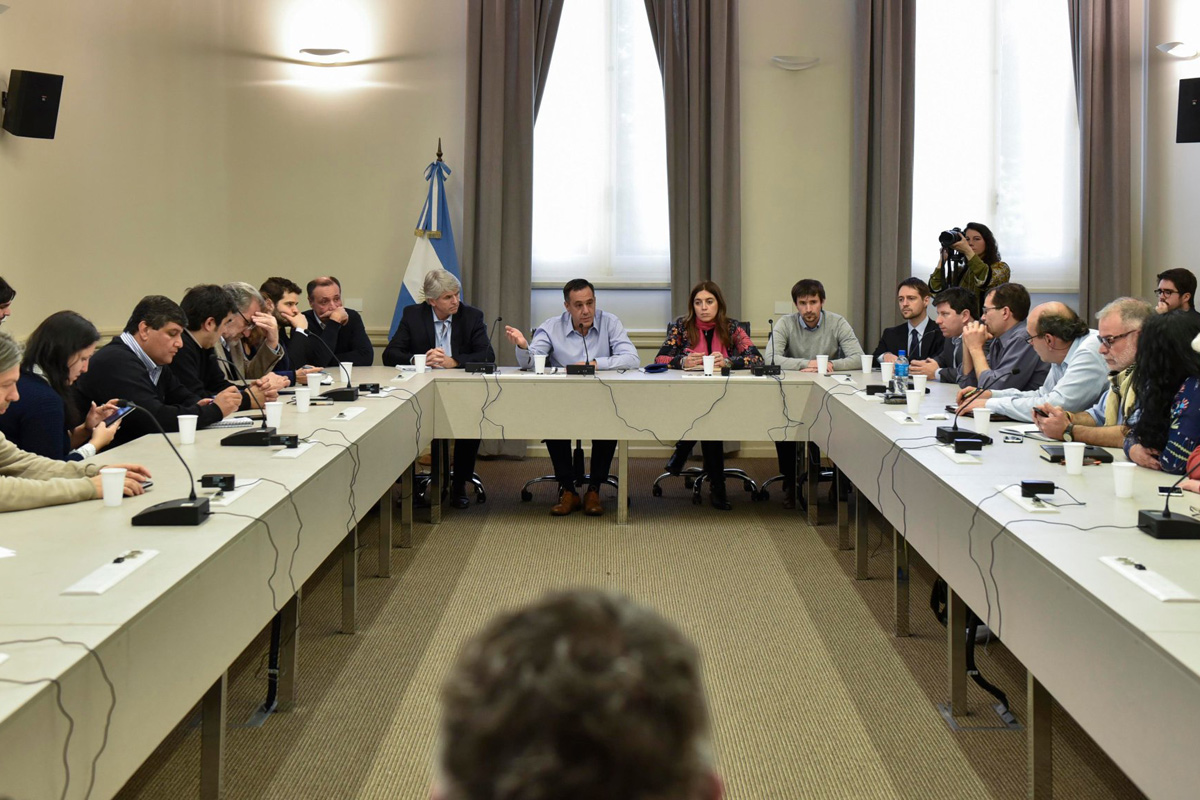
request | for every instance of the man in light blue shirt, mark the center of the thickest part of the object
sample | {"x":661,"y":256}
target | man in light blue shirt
{"x":1078,"y":374}
{"x":580,"y":335}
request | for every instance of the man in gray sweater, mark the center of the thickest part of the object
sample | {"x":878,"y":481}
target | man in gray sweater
{"x":796,"y":342}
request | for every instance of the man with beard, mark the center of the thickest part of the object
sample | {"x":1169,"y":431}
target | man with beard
{"x":917,"y":336}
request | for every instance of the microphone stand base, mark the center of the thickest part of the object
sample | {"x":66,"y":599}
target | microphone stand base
{"x":346,"y":394}
{"x":174,"y":513}
{"x":947,"y":434}
{"x":581,"y":369}
{"x":1175,"y":526}
{"x":255,"y":437}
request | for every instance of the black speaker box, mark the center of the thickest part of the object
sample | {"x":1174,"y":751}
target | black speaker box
{"x":32,"y":105}
{"x":1187,"y":126}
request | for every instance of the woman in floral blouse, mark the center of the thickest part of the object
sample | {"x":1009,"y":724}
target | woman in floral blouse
{"x":1167,"y":375}
{"x":707,"y":330}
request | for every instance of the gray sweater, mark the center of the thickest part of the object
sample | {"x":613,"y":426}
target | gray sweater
{"x":792,"y":345}
{"x":30,"y":481}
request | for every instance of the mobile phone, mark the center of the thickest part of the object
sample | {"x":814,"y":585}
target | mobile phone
{"x":1037,"y":412}
{"x":116,"y":415}
{"x":1169,"y":490}
{"x":146,"y":484}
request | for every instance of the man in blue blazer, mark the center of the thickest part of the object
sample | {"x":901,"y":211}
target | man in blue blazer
{"x":450,"y":334}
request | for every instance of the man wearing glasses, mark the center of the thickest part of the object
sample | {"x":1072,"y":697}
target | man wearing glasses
{"x":1176,"y":291}
{"x":1078,"y":374}
{"x":996,"y":353}
{"x":1106,"y":423}
{"x":251,"y":338}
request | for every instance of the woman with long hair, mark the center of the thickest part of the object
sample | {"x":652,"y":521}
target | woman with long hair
{"x":1166,"y":373}
{"x":707,"y":330}
{"x":983,"y":269}
{"x":45,"y":420}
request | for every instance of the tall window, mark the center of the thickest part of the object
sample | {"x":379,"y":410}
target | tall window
{"x":599,"y":174}
{"x":997,"y":136}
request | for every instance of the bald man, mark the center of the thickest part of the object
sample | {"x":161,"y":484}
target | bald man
{"x":1078,"y":374}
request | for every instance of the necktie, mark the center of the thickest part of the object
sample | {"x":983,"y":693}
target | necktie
{"x":443,"y":335}
{"x":914,"y":345}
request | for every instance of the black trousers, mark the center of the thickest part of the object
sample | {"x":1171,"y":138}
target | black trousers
{"x":564,"y":468}
{"x":465,"y":452}
{"x":786,"y":452}
{"x":714,"y":458}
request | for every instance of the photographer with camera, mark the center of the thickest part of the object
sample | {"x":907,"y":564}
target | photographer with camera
{"x":970,"y":259}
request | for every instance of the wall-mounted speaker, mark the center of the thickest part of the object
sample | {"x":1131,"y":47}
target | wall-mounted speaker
{"x":31,"y":108}
{"x":1187,"y":127}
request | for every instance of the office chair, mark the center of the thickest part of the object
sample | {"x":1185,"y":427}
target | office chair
{"x":694,"y":478}
{"x":581,"y":477}
{"x":814,"y":463}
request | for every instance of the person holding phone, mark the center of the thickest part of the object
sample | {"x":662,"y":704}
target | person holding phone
{"x":42,"y":421}
{"x":28,"y":480}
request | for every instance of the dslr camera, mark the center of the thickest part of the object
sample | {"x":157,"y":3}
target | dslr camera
{"x":947,"y":240}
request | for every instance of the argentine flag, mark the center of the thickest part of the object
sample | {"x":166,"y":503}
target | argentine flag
{"x":434,"y":247}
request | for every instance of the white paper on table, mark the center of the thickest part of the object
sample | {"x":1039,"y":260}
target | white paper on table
{"x":295,"y":452}
{"x":1153,"y":582}
{"x":102,"y":579}
{"x":904,"y":418}
{"x":958,"y":458}
{"x":869,"y":398}
{"x":1027,"y":430}
{"x":347,"y":414}
{"x":241,"y":486}
{"x":1014,"y":493}
{"x":6,"y":553}
{"x":384,"y":391}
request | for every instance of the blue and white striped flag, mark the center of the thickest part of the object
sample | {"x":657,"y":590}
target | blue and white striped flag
{"x":434,"y":247}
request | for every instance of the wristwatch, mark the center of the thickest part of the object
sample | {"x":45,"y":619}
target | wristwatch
{"x":1069,"y":431}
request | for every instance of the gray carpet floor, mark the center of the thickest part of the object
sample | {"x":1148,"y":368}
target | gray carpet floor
{"x":812,"y":696}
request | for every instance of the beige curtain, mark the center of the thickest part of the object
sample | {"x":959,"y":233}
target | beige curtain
{"x":1100,"y":50}
{"x":881,"y":248}
{"x":509,"y":44}
{"x":697,"y":48}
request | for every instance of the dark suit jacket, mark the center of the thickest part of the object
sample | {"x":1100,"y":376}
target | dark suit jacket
{"x":116,"y":371}
{"x":348,"y":342}
{"x":896,"y":339}
{"x":416,"y":335}
{"x":198,"y":370}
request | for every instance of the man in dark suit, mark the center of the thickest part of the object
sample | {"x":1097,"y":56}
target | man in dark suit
{"x":133,"y":366}
{"x":450,"y":334}
{"x":340,"y":329}
{"x":918,"y":336}
{"x":956,"y":307}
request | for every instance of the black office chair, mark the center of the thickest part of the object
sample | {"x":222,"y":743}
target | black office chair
{"x":694,"y":478}
{"x":814,"y":463}
{"x":423,"y":480}
{"x":577,"y":465}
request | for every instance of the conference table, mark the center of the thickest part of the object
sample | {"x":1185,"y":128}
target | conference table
{"x":1125,"y":665}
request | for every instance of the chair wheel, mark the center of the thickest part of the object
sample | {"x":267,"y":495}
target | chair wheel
{"x":747,"y":486}
{"x":526,"y":496}
{"x":697,"y":499}
{"x":656,"y":491}
{"x":688,"y":483}
{"x":763,"y":495}
{"x":481,"y":497}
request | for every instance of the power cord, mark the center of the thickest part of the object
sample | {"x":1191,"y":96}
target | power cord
{"x":271,"y":541}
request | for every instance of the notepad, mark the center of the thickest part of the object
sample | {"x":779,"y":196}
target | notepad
{"x":232,"y":422}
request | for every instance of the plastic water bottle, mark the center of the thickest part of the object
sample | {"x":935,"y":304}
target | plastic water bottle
{"x":900,"y":373}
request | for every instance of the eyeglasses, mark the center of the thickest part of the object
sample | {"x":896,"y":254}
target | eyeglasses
{"x":1165,"y":292}
{"x":986,"y":309}
{"x":1109,"y":341}
{"x":1029,"y":339}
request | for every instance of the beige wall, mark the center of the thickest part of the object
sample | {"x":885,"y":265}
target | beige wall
{"x":1172,"y":171}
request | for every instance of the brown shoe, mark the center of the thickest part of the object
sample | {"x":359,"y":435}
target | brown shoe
{"x":591,"y":504}
{"x":567,"y":502}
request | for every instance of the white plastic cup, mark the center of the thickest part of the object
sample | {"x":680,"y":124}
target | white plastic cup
{"x":303,"y":398}
{"x":274,"y":411}
{"x":919,"y":382}
{"x":912,"y":399}
{"x":419,"y":362}
{"x":313,"y":379}
{"x":187,"y":428}
{"x":709,"y":364}
{"x":348,"y":371}
{"x":868,"y":363}
{"x":886,"y":368}
{"x":539,"y":364}
{"x":112,"y":484}
{"x":1123,"y":478}
{"x":983,"y":420}
{"x":822,"y":364}
{"x":1073,"y":453}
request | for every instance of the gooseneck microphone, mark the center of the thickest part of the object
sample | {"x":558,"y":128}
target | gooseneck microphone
{"x":948,"y":434}
{"x":487,"y":367}
{"x":1164,"y":525}
{"x":345,"y":393}
{"x":586,"y":368}
{"x":253,"y":437}
{"x":769,"y":368}
{"x":190,"y":511}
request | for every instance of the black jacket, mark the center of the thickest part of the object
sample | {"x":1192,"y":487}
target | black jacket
{"x":200,"y":372}
{"x":896,"y":339}
{"x":347,"y":342}
{"x":116,"y":371}
{"x":416,"y":335}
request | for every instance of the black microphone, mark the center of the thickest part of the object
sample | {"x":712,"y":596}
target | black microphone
{"x":771,"y":368}
{"x":1162,"y":525}
{"x":346,"y":393}
{"x":586,"y":368}
{"x":487,"y":367}
{"x":254,"y":437}
{"x":949,"y":434}
{"x":190,"y":511}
